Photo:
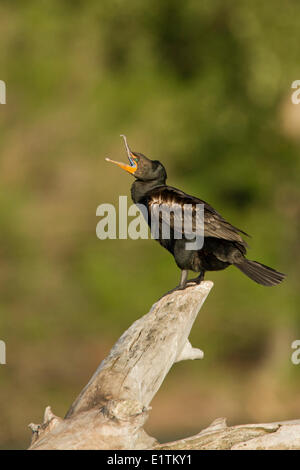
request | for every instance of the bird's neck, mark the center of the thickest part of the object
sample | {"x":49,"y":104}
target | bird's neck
{"x":140,"y":188}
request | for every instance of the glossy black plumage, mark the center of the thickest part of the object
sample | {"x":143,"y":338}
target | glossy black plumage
{"x":223,"y":243}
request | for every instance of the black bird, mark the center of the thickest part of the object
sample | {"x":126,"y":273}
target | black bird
{"x":222,"y":243}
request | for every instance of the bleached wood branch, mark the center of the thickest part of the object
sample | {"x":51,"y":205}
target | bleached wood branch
{"x":282,"y":435}
{"x":111,"y":410}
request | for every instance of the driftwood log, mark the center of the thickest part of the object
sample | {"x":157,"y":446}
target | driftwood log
{"x":111,"y":410}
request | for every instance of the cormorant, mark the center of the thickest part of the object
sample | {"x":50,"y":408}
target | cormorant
{"x":223,"y":244}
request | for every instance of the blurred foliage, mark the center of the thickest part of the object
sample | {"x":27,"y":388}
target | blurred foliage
{"x":205,"y":87}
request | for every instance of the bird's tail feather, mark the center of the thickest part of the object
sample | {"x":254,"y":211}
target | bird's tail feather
{"x":260,"y":273}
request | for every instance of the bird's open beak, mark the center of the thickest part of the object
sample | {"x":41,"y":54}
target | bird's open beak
{"x":132,"y":167}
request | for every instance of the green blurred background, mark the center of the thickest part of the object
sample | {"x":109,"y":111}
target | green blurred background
{"x":205,"y":87}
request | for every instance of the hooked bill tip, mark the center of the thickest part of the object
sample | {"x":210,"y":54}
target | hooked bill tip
{"x":126,"y":145}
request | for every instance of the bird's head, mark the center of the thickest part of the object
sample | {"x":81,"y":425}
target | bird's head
{"x":141,"y":167}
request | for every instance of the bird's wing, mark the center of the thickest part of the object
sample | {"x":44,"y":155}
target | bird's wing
{"x":165,"y":204}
